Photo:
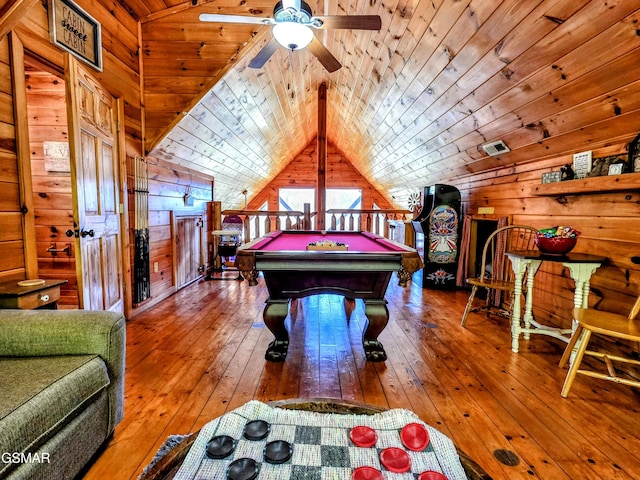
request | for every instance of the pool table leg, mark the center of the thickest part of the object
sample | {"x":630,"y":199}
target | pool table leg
{"x":349,"y":307}
{"x":377,"y":318}
{"x":274,"y":315}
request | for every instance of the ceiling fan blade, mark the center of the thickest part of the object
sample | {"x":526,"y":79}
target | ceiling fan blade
{"x":354,"y":22}
{"x":328,"y":61}
{"x":219,"y":18}
{"x":265,"y":54}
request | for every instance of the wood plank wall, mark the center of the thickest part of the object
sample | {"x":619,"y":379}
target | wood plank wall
{"x":167,"y":187}
{"x":12,"y":261}
{"x":120,"y":76}
{"x":609,"y":222}
{"x":302,"y":172}
{"x":46,"y":109}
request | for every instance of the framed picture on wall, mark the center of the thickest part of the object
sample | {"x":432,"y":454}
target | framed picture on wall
{"x":582,"y":164}
{"x":74,"y":30}
{"x":616,"y":168}
{"x":551,"y":177}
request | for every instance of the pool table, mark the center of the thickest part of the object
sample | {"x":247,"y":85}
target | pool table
{"x":353,"y":264}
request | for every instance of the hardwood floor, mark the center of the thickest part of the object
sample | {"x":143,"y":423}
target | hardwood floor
{"x":200,"y":354}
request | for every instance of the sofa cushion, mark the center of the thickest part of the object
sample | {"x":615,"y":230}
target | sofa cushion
{"x":39,"y":395}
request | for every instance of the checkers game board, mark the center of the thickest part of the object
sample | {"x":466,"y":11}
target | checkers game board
{"x":321,"y":446}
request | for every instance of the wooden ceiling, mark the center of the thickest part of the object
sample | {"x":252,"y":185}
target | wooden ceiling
{"x":413,"y":102}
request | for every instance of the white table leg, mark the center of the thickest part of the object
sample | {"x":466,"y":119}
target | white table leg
{"x":519,"y":266}
{"x":581,"y":274}
{"x":532,"y":269}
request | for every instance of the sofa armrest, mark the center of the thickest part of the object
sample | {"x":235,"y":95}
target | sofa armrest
{"x":38,"y":333}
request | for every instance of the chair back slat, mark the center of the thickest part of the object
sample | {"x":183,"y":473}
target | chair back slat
{"x":635,"y":309}
{"x":504,"y":239}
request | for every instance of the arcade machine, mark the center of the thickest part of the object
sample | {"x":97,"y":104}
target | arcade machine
{"x":440,"y":221}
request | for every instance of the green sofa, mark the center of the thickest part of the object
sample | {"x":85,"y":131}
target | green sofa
{"x":61,"y":389}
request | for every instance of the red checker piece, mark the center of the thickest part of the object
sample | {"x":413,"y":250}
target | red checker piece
{"x":415,"y":437}
{"x":431,"y":475}
{"x":366,"y":473}
{"x":363,"y":436}
{"x":395,"y":460}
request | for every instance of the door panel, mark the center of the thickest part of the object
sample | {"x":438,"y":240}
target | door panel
{"x":92,"y":275}
{"x":88,"y":165}
{"x":94,"y":175}
{"x":188,"y":241}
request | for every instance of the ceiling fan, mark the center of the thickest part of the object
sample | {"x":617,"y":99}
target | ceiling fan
{"x":292,"y":24}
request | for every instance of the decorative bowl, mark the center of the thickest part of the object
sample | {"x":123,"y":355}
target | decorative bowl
{"x":555,"y":245}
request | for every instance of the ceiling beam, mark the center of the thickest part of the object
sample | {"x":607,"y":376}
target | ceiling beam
{"x":321,"y":192}
{"x":12,"y":13}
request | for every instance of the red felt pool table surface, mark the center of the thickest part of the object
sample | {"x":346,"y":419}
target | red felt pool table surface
{"x":298,"y":240}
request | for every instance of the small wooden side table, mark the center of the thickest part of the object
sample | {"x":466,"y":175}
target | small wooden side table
{"x":45,"y":295}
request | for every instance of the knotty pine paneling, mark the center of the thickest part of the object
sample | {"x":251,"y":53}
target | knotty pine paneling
{"x":609,"y":222}
{"x":120,"y":77}
{"x":52,"y":196}
{"x":8,"y":167}
{"x":11,"y":226}
{"x":413,"y":102}
{"x":303,"y":172}
{"x":167,"y":187}
{"x":12,"y":259}
{"x":12,"y":264}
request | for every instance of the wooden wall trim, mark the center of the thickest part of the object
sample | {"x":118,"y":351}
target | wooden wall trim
{"x":124,"y":208}
{"x":23,"y":155}
{"x":12,"y":13}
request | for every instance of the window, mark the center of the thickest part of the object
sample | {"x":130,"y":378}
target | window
{"x":293,"y":199}
{"x":343,"y":199}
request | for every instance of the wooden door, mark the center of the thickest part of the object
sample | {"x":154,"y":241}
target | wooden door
{"x":188,"y":253}
{"x":94,"y":176}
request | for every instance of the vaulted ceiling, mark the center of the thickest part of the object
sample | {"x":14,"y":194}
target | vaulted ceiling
{"x":412,"y":103}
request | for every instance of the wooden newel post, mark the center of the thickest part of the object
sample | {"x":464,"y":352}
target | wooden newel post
{"x":216,"y":224}
{"x":306,"y":219}
{"x":216,"y":220}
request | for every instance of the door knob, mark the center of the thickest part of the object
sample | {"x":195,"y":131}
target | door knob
{"x":84,"y":233}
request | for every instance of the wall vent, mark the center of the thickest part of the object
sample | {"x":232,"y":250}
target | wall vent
{"x":496,"y":148}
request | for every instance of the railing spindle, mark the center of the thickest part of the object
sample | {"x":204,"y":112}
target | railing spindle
{"x":369,"y":219}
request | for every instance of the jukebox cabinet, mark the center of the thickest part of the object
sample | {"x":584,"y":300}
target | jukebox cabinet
{"x":440,"y":221}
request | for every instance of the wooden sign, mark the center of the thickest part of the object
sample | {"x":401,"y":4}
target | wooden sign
{"x":75,"y":31}
{"x":582,"y":164}
{"x":551,"y":177}
{"x":56,"y":157}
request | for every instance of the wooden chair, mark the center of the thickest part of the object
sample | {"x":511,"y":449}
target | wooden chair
{"x":603,"y":323}
{"x":496,"y":274}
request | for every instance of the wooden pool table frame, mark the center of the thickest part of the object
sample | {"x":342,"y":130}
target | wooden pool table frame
{"x":291,"y":274}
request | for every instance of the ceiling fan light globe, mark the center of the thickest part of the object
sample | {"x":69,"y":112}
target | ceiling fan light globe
{"x":292,"y":35}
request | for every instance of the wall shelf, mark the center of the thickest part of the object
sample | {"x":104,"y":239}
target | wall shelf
{"x":605,"y":183}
